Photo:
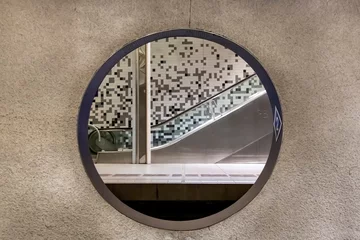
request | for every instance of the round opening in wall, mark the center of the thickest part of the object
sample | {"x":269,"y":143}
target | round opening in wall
{"x":180,"y":129}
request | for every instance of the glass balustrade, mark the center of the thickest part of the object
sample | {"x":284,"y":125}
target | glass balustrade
{"x":184,"y":123}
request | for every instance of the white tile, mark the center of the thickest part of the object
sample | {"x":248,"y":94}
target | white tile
{"x":192,"y":181}
{"x":175,"y":181}
{"x":209,"y":181}
{"x":201,"y":173}
{"x":159,"y":181}
{"x":241,"y":168}
{"x":244,"y":182}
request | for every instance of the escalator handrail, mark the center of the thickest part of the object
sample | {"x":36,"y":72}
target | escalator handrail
{"x":210,"y":121}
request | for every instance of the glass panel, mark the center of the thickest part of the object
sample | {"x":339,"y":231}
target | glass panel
{"x":236,"y":96}
{"x":180,"y":125}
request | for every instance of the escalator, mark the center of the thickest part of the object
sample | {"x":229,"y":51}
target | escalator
{"x":233,"y":126}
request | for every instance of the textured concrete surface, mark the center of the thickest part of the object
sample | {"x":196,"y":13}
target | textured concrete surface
{"x":50,"y":49}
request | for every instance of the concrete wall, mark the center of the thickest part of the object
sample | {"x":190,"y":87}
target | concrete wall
{"x":50,"y":49}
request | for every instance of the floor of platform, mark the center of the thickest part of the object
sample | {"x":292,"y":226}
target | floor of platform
{"x":180,"y":173}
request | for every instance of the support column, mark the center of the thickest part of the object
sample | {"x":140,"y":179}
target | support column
{"x":148,"y":103}
{"x":135,"y":109}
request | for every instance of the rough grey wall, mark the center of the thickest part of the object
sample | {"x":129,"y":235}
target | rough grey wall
{"x":50,"y":49}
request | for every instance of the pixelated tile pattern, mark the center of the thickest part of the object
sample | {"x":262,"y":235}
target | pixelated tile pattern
{"x":112,"y":105}
{"x":186,"y":71}
{"x":237,"y":95}
{"x":123,"y":139}
{"x":188,"y":121}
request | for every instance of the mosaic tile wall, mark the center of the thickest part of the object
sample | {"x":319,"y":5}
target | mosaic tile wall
{"x":213,"y":108}
{"x":187,"y":71}
{"x":237,"y":95}
{"x":112,"y":106}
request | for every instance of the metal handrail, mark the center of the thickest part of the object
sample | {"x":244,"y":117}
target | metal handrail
{"x":96,"y":129}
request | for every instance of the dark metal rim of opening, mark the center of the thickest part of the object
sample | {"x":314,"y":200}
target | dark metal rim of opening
{"x":95,"y":178}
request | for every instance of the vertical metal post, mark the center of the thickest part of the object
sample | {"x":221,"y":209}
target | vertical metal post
{"x":148,"y":105}
{"x":135,"y":108}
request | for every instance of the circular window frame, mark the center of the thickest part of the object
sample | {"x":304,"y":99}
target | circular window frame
{"x":95,"y":178}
